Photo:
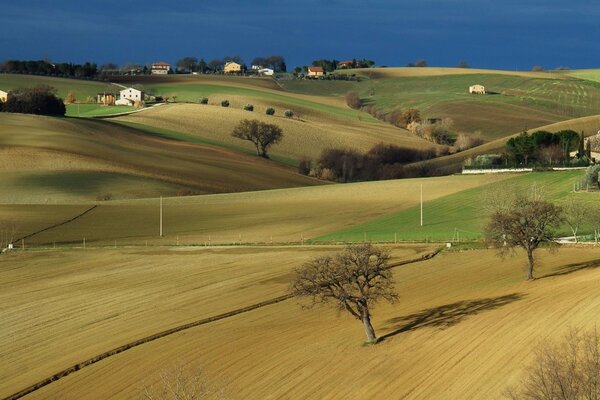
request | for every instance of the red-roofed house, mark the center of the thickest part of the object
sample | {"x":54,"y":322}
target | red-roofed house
{"x":315,"y":72}
{"x":345,"y":64}
{"x":160,"y":68}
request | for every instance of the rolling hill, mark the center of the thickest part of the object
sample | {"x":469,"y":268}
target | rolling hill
{"x":72,"y":160}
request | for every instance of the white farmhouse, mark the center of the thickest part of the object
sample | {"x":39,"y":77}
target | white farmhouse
{"x":3,"y":96}
{"x":477,"y":89}
{"x":132,"y":94}
{"x":266,"y":71}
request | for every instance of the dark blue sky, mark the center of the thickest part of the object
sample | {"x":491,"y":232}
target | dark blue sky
{"x":504,"y":34}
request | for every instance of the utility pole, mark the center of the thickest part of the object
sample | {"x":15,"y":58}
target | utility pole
{"x":161,"y":222}
{"x":421,"y":204}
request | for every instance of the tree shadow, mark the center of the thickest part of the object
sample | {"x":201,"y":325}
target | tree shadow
{"x":574,"y":267}
{"x":447,"y":315}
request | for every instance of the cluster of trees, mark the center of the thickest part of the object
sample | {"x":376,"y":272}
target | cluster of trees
{"x":547,"y":148}
{"x":276,"y":63}
{"x":40,"y":100}
{"x":382,"y":161}
{"x":44,"y":67}
{"x":332,"y":65}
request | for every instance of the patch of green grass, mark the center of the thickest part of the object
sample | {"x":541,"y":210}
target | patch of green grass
{"x":459,"y":214}
{"x":96,"y":110}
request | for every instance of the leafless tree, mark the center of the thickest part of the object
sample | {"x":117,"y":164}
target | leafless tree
{"x":263,"y":135}
{"x":354,"y":280}
{"x":564,"y":370}
{"x":183,"y":383}
{"x":575,"y":213}
{"x":525,"y":222}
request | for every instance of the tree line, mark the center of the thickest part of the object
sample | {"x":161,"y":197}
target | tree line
{"x":40,"y":100}
{"x":86,"y":70}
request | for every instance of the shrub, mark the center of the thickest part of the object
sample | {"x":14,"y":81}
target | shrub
{"x":288,"y":113}
{"x":225,"y":103}
{"x":464,"y":141}
{"x":270,"y":111}
{"x":249,"y":107}
{"x":304,"y":166}
{"x":353,"y":100}
{"x":204,"y":100}
{"x":104,"y":197}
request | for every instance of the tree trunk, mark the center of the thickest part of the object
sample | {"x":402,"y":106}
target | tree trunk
{"x":530,"y":266}
{"x":366,"y":319}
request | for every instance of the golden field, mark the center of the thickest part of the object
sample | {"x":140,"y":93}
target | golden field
{"x":464,"y":326}
{"x":304,"y":136}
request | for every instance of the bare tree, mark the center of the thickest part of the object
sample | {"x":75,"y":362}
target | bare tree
{"x":263,"y":135}
{"x":565,"y":370}
{"x":181,"y":383}
{"x":354,"y":280}
{"x":575,"y":213}
{"x":527,"y":222}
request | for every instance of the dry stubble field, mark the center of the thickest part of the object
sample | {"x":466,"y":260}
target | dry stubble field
{"x":464,"y":326}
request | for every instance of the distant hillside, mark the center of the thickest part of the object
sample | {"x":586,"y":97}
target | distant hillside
{"x":518,"y":100}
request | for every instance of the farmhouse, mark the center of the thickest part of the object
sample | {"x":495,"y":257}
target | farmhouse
{"x":3,"y":96}
{"x":161,"y":68}
{"x":315,"y":72}
{"x":128,"y":97}
{"x":266,"y":71}
{"x":232,"y":68}
{"x":477,"y":89}
{"x":108,"y":99}
{"x":345,"y":64}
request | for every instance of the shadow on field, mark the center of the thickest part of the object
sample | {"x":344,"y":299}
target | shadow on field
{"x":570,"y":268}
{"x":447,"y":315}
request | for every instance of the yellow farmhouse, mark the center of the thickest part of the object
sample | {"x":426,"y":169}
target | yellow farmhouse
{"x":232,"y":67}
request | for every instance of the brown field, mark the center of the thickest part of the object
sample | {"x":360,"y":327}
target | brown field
{"x":46,"y":159}
{"x":464,"y":326}
{"x":93,"y":301}
{"x":255,"y":217}
{"x":306,"y":136}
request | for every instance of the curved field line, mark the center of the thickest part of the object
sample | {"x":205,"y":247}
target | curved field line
{"x":120,"y":349}
{"x":58,"y":224}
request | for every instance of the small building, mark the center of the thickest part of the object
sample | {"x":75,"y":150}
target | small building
{"x":108,"y":99}
{"x":315,"y":72}
{"x":345,"y":64}
{"x":131,"y":94}
{"x":232,"y":68}
{"x":256,"y":67}
{"x":160,"y":68}
{"x":266,"y":71}
{"x":477,"y":89}
{"x":124,"y":102}
{"x":3,"y":96}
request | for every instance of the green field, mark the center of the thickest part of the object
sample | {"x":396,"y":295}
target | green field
{"x":458,"y":216}
{"x":96,"y":110}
